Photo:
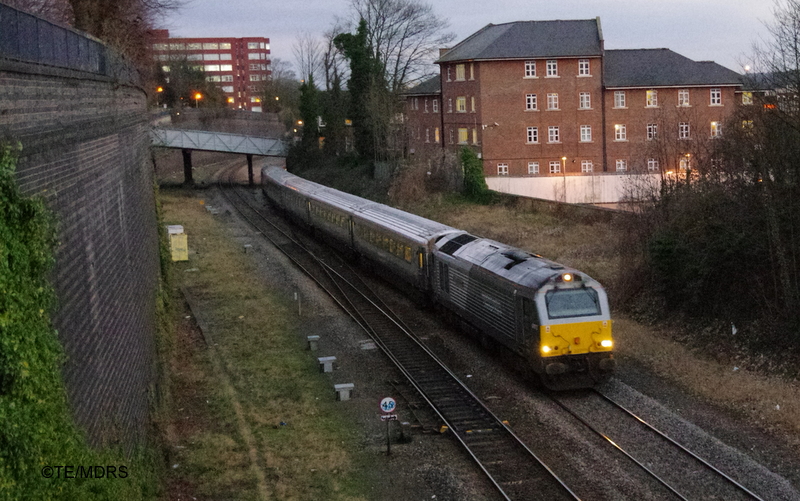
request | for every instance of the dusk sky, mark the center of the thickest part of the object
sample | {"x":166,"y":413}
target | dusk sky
{"x":719,"y":30}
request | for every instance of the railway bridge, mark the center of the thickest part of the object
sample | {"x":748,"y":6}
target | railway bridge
{"x":189,"y":140}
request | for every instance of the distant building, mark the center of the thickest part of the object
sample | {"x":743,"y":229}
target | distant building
{"x":544,"y":99}
{"x":238,"y":66}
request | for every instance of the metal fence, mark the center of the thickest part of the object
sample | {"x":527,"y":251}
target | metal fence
{"x":25,"y":37}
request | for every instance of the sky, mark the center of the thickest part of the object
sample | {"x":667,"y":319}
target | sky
{"x":723,"y":31}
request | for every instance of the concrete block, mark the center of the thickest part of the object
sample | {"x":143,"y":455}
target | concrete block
{"x":313,"y":342}
{"x":343,"y":391}
{"x":326,"y":364}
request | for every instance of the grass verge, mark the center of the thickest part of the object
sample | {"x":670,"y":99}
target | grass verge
{"x":253,"y":418}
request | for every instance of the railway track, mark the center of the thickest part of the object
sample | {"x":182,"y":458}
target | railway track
{"x":679,"y":472}
{"x":511,"y":467}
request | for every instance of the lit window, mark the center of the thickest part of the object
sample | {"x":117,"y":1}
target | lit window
{"x":227,"y":88}
{"x":620,"y":132}
{"x":686,"y":162}
{"x":160,"y":46}
{"x":552,"y":101}
{"x":177,"y":46}
{"x":747,"y":98}
{"x":555,"y":167}
{"x":225,"y":46}
{"x":683,"y":130}
{"x":530,"y":69}
{"x":586,"y":133}
{"x":652,"y":98}
{"x":652,"y":164}
{"x":436,"y":135}
{"x":533,"y":168}
{"x":533,"y":135}
{"x":463,"y":136}
{"x":585,"y":100}
{"x":716,"y":97}
{"x":683,"y":97}
{"x":252,"y":45}
{"x":461,"y":73}
{"x":210,"y":46}
{"x":587,"y":166}
{"x":474,"y":135}
{"x":461,"y":104}
{"x":652,"y":131}
{"x":254,"y":55}
{"x":553,"y":134}
{"x":622,"y":165}
{"x":583,"y":67}
{"x":213,"y":79}
{"x":619,"y":99}
{"x":552,"y":68}
{"x":211,"y":67}
{"x":530,"y":102}
{"x":716,"y":129}
{"x":502,"y":169}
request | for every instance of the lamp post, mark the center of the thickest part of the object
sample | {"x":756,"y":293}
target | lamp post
{"x":159,"y":90}
{"x":197,"y":98}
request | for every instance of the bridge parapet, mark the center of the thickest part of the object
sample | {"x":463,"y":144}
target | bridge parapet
{"x":217,"y":141}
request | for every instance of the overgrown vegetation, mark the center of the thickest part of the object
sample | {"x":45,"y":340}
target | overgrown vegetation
{"x":36,"y":430}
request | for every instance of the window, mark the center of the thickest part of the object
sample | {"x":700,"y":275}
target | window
{"x":226,"y":67}
{"x":474,"y":135}
{"x":427,"y":134}
{"x":436,"y":134}
{"x":254,"y":55}
{"x":502,"y":169}
{"x":227,"y":57}
{"x":530,"y":69}
{"x":162,"y":46}
{"x":472,"y":71}
{"x":252,"y":45}
{"x":587,"y":166}
{"x":426,"y":105}
{"x":255,"y":67}
{"x":716,"y":97}
{"x":448,"y":74}
{"x":210,"y":57}
{"x":533,"y":135}
{"x":683,"y":97}
{"x":622,"y":165}
{"x":652,"y":164}
{"x":255,"y":78}
{"x":415,"y":103}
{"x":463,"y":136}
{"x":210,"y":46}
{"x":449,"y":105}
{"x":552,"y":101}
{"x":683,"y":130}
{"x":226,"y":78}
{"x":450,"y":133}
{"x":177,"y":46}
{"x":747,"y":98}
{"x":586,"y":133}
{"x":585,"y":100}
{"x":225,"y":46}
{"x":211,"y":67}
{"x":568,"y":303}
{"x":620,"y":132}
{"x":552,"y":68}
{"x":472,"y":104}
{"x":583,"y":68}
{"x":212,"y":79}
{"x":652,"y":98}
{"x":555,"y":167}
{"x":461,"y":72}
{"x":227,"y":88}
{"x":533,"y":168}
{"x":716,"y":129}
{"x":530,"y":102}
{"x":686,"y":162}
{"x":190,"y":57}
{"x":435,"y":104}
{"x":619,"y":99}
{"x":553,"y":135}
{"x":461,"y":104}
{"x":652,"y":131}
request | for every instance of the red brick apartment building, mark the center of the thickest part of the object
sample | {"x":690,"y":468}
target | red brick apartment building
{"x":238,"y":66}
{"x":544,"y":98}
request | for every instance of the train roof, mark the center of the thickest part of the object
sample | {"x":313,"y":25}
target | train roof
{"x":510,"y":263}
{"x":409,"y":225}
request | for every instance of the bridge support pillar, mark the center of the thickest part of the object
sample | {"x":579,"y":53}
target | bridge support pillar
{"x":250,"y":169}
{"x":187,"y":166}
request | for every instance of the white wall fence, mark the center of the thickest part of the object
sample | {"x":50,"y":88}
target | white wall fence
{"x":598,"y":188}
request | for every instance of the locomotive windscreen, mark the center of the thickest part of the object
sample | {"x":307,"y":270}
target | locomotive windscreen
{"x":566,"y":303}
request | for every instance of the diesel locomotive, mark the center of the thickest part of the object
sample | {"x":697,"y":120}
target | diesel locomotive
{"x":556,"y":319}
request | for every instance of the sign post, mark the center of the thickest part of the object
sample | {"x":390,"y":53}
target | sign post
{"x":388,"y":405}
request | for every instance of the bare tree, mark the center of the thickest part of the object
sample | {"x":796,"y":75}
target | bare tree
{"x":405,"y":36}
{"x":57,"y":11}
{"x":333,"y":61}
{"x":308,"y":55}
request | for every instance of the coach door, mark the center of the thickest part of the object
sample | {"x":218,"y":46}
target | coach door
{"x":530,"y":322}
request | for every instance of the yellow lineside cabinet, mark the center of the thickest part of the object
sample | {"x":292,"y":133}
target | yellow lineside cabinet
{"x":178,"y":243}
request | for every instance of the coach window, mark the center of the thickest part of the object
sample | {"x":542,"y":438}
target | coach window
{"x":444,"y":278}
{"x":529,"y":315}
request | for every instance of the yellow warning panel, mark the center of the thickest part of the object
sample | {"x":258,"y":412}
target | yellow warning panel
{"x":178,"y":243}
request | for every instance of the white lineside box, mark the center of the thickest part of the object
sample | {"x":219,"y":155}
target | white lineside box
{"x":178,"y":242}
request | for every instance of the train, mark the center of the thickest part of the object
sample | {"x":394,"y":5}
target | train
{"x":554,"y":319}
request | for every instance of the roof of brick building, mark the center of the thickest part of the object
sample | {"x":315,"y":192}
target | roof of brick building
{"x":662,"y":68}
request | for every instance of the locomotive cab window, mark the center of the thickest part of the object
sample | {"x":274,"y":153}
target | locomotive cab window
{"x":566,"y":303}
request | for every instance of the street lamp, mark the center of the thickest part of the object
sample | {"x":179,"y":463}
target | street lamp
{"x":197,"y":98}
{"x":159,"y":90}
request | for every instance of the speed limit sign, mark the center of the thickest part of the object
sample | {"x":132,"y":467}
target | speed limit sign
{"x":388,"y":405}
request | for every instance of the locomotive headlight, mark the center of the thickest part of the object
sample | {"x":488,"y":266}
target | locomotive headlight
{"x":606,"y":343}
{"x":567,"y":277}
{"x":546,"y":349}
